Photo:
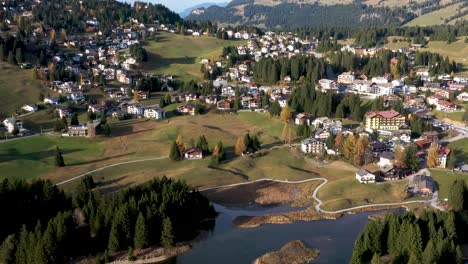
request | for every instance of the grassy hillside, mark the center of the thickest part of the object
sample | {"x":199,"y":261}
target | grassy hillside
{"x":17,"y":88}
{"x":390,"y":3}
{"x":180,"y":55}
{"x":435,"y":18}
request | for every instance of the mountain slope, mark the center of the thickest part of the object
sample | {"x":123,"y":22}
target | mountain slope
{"x":288,"y":14}
{"x":188,"y":11}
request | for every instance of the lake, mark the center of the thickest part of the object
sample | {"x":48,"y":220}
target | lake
{"x":228,"y":244}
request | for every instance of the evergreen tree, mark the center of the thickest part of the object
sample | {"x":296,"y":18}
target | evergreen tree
{"x":11,"y":58}
{"x":59,"y":162}
{"x":429,"y":254}
{"x":202,"y":144}
{"x":410,"y":158}
{"x":174,"y":152}
{"x":275,"y":109}
{"x":2,"y":53}
{"x":376,"y":259}
{"x":452,"y":160}
{"x":106,"y":130}
{"x":19,"y":55}
{"x":141,"y":233}
{"x":167,"y":235}
{"x":331,"y":141}
{"x":74,"y":120}
{"x":7,"y":250}
{"x":457,"y":194}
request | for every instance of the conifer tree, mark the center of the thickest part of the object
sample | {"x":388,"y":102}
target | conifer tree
{"x":399,"y":157}
{"x":11,"y":58}
{"x":361,"y":147}
{"x":74,"y":120}
{"x":167,"y":236}
{"x":141,"y":233}
{"x":19,"y":55}
{"x":376,"y":259}
{"x":7,"y":250}
{"x":275,"y":109}
{"x":452,"y":160}
{"x":174,"y":152}
{"x":287,"y":136}
{"x":457,"y":194}
{"x":59,"y":162}
{"x":410,"y":158}
{"x":429,"y":254}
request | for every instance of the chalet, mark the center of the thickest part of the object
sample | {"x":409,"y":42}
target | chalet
{"x":51,"y":101}
{"x":303,"y":119}
{"x":446,"y":106}
{"x":365,"y":176}
{"x":186,"y":109}
{"x":312,"y":145}
{"x":154,"y":112}
{"x":385,"y":158}
{"x":388,"y":173}
{"x":87,"y":130}
{"x":29,"y":108}
{"x":63,"y":112}
{"x":422,"y":185}
{"x":456,"y":86}
{"x":211,"y":99}
{"x":96,"y":108}
{"x":321,"y":134}
{"x":423,"y":144}
{"x":12,"y":123}
{"x":431,"y":135}
{"x":223,"y":105}
{"x":193,"y":154}
{"x":403,"y":136}
{"x":135,"y":109}
{"x":327,"y":85}
{"x":384,"y":120}
{"x":377,"y":147}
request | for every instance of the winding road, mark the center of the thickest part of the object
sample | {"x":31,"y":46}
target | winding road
{"x":433,"y":201}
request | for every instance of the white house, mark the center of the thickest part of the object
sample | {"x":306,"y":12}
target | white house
{"x":312,"y":145}
{"x":365,"y":176}
{"x":29,"y":108}
{"x":154,"y":112}
{"x":135,"y":109}
{"x":193,"y":154}
{"x":463,"y":97}
{"x":282,"y":102}
{"x":51,"y":101}
{"x":12,"y":123}
{"x":386,"y":158}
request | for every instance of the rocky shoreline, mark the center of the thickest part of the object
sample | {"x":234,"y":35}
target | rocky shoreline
{"x":294,"y":252}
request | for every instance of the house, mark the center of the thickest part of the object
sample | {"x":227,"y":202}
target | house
{"x":224,"y":105}
{"x":135,"y":109}
{"x":303,"y":119}
{"x":321,"y":134}
{"x":422,"y":185}
{"x":431,"y":135}
{"x":193,"y":154}
{"x":446,"y":106}
{"x":186,"y":109}
{"x":312,"y":145}
{"x":12,"y":123}
{"x":388,"y":173}
{"x":328,"y":85}
{"x":377,"y":147}
{"x":346,"y":78}
{"x":443,"y":157}
{"x":29,"y":108}
{"x":154,"y":112}
{"x":96,"y":108}
{"x":63,"y":112}
{"x":365,"y":176}
{"x":282,"y":102}
{"x":423,"y":143}
{"x":384,"y":120}
{"x":463,"y":97}
{"x":386,"y":158}
{"x":86,"y":130}
{"x":51,"y":101}
{"x":402,"y":136}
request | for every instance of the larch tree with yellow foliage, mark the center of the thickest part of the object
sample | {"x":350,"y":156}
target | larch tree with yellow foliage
{"x":285,"y":114}
{"x":433,"y":156}
{"x":180,"y":145}
{"x":360,"y":150}
{"x":399,"y":155}
{"x":287,"y":134}
{"x":339,"y":141}
{"x":348,"y":148}
{"x":240,"y":146}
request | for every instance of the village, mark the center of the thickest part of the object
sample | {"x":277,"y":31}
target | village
{"x":111,"y":66}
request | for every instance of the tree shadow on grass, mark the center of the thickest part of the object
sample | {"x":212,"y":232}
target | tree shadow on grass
{"x":99,"y":160}
{"x":12,"y":154}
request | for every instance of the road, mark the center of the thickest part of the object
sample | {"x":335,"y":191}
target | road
{"x":432,"y":202}
{"x":109,"y":166}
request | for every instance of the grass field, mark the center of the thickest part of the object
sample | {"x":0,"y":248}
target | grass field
{"x":180,"y":55}
{"x":436,"y":17}
{"x":457,"y":51}
{"x":17,"y":88}
{"x":455,"y":116}
{"x":344,"y":191}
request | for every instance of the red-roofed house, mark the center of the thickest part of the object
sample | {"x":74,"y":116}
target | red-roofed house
{"x":443,"y":156}
{"x":385,"y":120}
{"x":446,"y":106}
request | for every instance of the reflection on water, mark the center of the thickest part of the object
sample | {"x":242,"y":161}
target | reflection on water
{"x":227,"y":244}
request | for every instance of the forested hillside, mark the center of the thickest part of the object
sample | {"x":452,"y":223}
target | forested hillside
{"x":44,"y":225}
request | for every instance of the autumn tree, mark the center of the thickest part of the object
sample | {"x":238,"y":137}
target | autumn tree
{"x":285,"y":114}
{"x":180,"y":145}
{"x":360,"y":150}
{"x":287,"y":135}
{"x":339,"y":141}
{"x":433,"y":156}
{"x":348,"y":148}
{"x":399,"y":157}
{"x":240,"y":147}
